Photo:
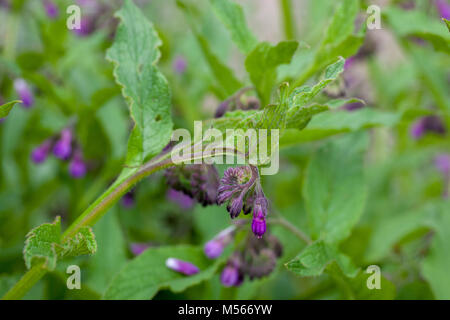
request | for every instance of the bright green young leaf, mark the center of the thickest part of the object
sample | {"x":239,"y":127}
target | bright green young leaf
{"x":334,"y":188}
{"x":315,"y":258}
{"x":303,"y":95}
{"x":6,"y":108}
{"x":437,"y":263}
{"x":82,"y":243}
{"x":40,"y":245}
{"x":416,"y":23}
{"x":339,"y":39}
{"x":447,"y":23}
{"x":44,"y":244}
{"x":144,"y":276}
{"x":232,"y":16}
{"x":134,"y":55}
{"x":223,"y":75}
{"x":262,"y":63}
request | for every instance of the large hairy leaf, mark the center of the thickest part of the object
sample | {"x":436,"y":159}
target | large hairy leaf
{"x":232,"y":16}
{"x":144,"y":276}
{"x":134,"y":55}
{"x":334,"y":189}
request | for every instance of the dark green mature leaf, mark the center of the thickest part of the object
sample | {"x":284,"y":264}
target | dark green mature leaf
{"x":262,"y":63}
{"x":134,"y":55}
{"x":111,"y":255}
{"x":334,"y":189}
{"x":232,"y":16}
{"x":416,"y":23}
{"x":313,"y":260}
{"x":436,"y":265}
{"x":144,"y":276}
{"x":44,"y":244}
{"x":6,"y":108}
{"x":224,"y":76}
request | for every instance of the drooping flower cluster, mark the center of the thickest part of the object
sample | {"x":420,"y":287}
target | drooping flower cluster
{"x":257,"y":259}
{"x":64,"y":147}
{"x":428,"y":124}
{"x":241,"y":189}
{"x":198,"y":181}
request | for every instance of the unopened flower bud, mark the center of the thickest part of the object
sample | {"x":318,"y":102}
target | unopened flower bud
{"x":63,"y":147}
{"x":77,"y":167}
{"x":181,"y":266}
{"x":40,"y":153}
{"x":214,"y":248}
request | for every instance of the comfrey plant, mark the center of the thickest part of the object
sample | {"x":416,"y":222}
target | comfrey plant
{"x":249,"y":222}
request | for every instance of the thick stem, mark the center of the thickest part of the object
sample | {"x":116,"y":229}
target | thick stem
{"x":25,"y":283}
{"x":289,"y":226}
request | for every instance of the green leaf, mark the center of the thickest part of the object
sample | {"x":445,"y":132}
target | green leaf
{"x":224,"y":76}
{"x":6,"y":108}
{"x":436,"y":265}
{"x":339,"y":40}
{"x":232,"y":16}
{"x":387,"y":232}
{"x":40,"y":245}
{"x":313,"y":260}
{"x":447,"y":23}
{"x":82,"y":243}
{"x":44,"y":245}
{"x":144,"y":276}
{"x":334,"y":122}
{"x":111,"y":256}
{"x":262,"y":63}
{"x":334,"y":189}
{"x":360,"y":290}
{"x":134,"y":55}
{"x":303,"y":95}
{"x":416,"y":23}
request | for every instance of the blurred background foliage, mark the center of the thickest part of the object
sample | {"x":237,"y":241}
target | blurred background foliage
{"x":405,"y":225}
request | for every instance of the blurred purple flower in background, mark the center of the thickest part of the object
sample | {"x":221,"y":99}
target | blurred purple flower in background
{"x":24,"y":92}
{"x":214,"y":248}
{"x":51,"y":9}
{"x":40,"y":153}
{"x":138,"y":248}
{"x":184,"y":201}
{"x":127,"y":200}
{"x":444,"y":8}
{"x":63,"y":147}
{"x":179,"y":64}
{"x":77,"y":167}
{"x":231,"y":276}
{"x":181,"y":266}
{"x":442,"y":163}
{"x":425,"y":125}
{"x":353,"y":106}
{"x":86,"y":27}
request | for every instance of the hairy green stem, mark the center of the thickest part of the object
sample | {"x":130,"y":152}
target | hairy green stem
{"x":288,"y":21}
{"x":88,"y":218}
{"x":289,"y":226}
